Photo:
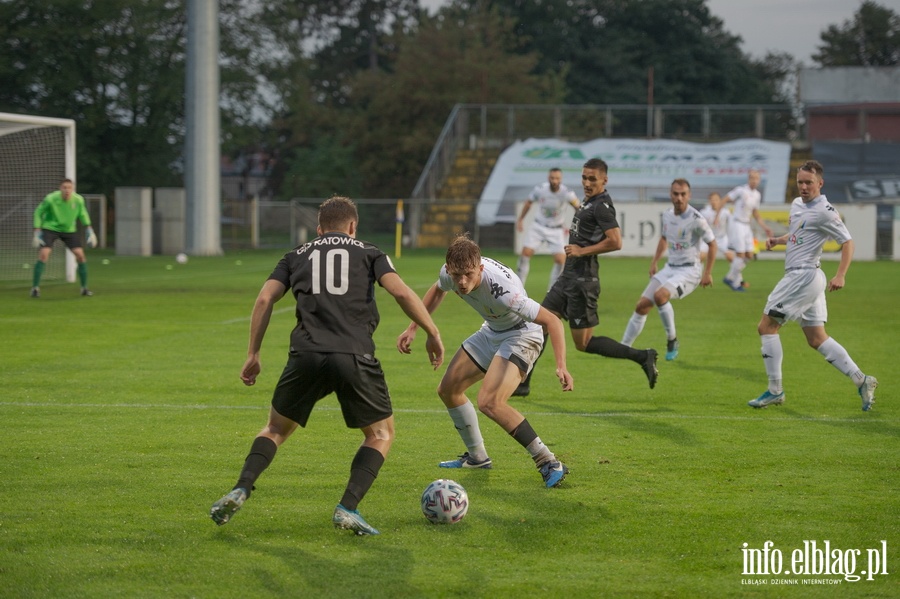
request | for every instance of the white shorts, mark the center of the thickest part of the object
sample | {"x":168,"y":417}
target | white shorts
{"x":740,"y":236}
{"x":721,"y":244}
{"x":679,"y":280}
{"x":551,"y":238}
{"x":521,"y":346}
{"x":799,"y":296}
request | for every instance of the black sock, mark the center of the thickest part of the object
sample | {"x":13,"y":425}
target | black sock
{"x":524,"y":434}
{"x":611,"y":348}
{"x":262,"y":452}
{"x":363,"y":470}
{"x":527,"y":381}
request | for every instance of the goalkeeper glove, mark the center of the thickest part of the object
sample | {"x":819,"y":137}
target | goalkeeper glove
{"x":91,"y":238}
{"x":38,"y":240}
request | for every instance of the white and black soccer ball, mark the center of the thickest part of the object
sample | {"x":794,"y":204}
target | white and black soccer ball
{"x":181,"y":258}
{"x":445,"y":502}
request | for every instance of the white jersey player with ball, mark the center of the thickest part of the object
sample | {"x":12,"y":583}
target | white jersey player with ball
{"x":499,"y":355}
{"x":800,"y":294}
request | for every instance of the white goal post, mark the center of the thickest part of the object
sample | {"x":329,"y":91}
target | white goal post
{"x":36,"y":154}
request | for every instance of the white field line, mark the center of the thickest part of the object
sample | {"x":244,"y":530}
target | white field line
{"x":442,"y":412}
{"x":247,"y":318}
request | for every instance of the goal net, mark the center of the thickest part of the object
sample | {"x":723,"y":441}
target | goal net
{"x":36,"y":153}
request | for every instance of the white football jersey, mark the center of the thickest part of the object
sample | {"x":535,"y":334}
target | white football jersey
{"x":548,"y":206}
{"x":811,"y":225}
{"x":500,"y":298}
{"x":683,"y":233}
{"x":719,"y":230}
{"x":745,"y":200}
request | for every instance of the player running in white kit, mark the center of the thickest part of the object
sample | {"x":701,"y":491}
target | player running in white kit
{"x":746,"y":200}
{"x":718,"y":221}
{"x":800,"y":295}
{"x":549,"y":228}
{"x":683,"y":230}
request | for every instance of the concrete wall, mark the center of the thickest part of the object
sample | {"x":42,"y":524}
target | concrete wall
{"x":169,"y":220}
{"x":134,"y":224}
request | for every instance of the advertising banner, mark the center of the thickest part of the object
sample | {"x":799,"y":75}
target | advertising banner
{"x":641,"y":224}
{"x":860,"y":172}
{"x":639,"y":170}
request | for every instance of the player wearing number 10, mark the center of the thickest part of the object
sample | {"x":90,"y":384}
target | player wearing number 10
{"x":333,"y":281}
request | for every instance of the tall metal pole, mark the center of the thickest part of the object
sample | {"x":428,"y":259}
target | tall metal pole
{"x":202,"y":173}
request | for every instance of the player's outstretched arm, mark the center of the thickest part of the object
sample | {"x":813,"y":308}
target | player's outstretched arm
{"x":761,"y":222}
{"x":837,"y":282}
{"x":661,"y":247}
{"x":706,"y":277}
{"x":773,"y":241}
{"x":413,"y":307}
{"x":271,"y":292}
{"x":555,"y":330}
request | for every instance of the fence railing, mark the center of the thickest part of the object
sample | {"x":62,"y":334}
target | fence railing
{"x":496,"y":126}
{"x":283,"y":225}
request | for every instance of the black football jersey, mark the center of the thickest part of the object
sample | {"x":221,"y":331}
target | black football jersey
{"x":593,"y":218}
{"x":333,"y":279}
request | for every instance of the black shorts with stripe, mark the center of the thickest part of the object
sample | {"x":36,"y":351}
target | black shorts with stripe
{"x":358,"y":382}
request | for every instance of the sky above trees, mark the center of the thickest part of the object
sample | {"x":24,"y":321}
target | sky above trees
{"x":350,"y":95}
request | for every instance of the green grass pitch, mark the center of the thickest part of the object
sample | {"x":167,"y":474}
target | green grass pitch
{"x":122,"y":419}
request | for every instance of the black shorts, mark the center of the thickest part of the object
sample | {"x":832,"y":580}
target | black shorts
{"x":72,"y":240}
{"x":575,"y":300}
{"x":358,"y":382}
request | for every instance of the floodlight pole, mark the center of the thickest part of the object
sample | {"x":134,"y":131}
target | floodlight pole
{"x":202,"y":169}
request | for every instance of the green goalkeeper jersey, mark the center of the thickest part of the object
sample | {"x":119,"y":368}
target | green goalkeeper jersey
{"x":59,"y":215}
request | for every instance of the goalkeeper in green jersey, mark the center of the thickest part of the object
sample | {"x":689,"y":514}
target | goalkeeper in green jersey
{"x":54,"y":218}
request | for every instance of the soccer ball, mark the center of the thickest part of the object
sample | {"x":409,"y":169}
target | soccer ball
{"x":445,"y":502}
{"x":181,"y":258}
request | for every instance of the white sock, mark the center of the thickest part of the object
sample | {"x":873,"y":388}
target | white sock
{"x":732,"y":270}
{"x":523,"y":267}
{"x":667,"y":315}
{"x":554,"y":273}
{"x":772,"y":357}
{"x":634,"y":328}
{"x":739,"y":265}
{"x":838,"y":357}
{"x":465,"y":419}
{"x":540,"y":453}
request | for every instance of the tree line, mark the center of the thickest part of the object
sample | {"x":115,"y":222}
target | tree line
{"x":348,"y":96}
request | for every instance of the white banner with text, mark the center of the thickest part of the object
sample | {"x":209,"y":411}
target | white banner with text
{"x":639,"y":170}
